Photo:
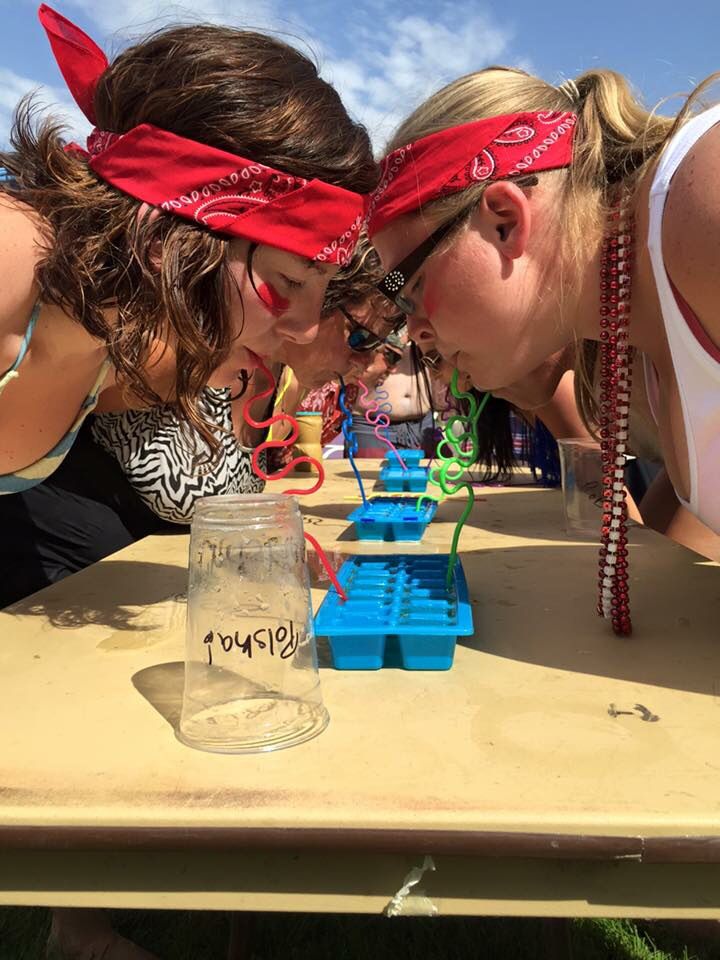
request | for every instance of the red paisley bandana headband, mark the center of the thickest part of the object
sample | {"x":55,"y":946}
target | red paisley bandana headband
{"x":452,"y":160}
{"x":218,"y":190}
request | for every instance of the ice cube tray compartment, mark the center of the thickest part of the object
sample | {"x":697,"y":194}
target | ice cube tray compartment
{"x":412,"y":458}
{"x":398,"y":613}
{"x":392,"y":518}
{"x":397,"y":480}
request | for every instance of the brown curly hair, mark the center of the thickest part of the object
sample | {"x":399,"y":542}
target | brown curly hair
{"x":236,"y":90}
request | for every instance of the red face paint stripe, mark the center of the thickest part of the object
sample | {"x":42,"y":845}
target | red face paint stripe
{"x":276,"y":304}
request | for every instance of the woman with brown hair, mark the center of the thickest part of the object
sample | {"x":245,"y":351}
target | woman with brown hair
{"x":218,"y":195}
{"x":516,"y":217}
{"x":135,"y":472}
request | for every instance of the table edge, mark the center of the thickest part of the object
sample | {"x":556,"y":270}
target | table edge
{"x":664,"y":849}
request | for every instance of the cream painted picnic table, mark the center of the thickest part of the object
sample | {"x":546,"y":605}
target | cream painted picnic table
{"x":531,"y":779}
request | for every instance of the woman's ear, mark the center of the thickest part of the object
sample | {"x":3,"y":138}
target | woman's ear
{"x":505,"y":215}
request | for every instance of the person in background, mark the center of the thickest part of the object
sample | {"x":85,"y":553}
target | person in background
{"x":549,"y":394}
{"x":368,"y":323}
{"x":556,"y":393}
{"x":520,"y":424}
{"x":400,"y":385}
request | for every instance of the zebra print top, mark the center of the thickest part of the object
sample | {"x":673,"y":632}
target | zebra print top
{"x":166,"y":460}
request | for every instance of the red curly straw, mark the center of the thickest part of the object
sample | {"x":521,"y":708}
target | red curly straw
{"x":282,"y":444}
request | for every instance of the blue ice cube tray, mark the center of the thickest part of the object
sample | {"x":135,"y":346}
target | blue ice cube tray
{"x":411,"y":457}
{"x":392,"y":518}
{"x":397,"y":480}
{"x":399,"y":613}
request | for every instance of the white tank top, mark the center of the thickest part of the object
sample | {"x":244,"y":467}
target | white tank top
{"x":696,"y":360}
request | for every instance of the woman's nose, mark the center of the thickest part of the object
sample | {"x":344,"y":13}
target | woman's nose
{"x":420,"y":330}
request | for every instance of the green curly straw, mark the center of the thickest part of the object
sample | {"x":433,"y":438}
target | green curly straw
{"x":459,"y":461}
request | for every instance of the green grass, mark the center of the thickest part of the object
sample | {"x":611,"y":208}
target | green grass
{"x":203,"y":936}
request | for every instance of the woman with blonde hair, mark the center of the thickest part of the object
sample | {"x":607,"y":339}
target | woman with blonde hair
{"x":515,"y":217}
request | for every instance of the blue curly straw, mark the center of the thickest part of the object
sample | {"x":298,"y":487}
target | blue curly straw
{"x":350,"y":438}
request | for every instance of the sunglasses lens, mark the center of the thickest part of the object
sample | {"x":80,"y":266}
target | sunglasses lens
{"x":357,"y":339}
{"x":407,"y":306}
{"x":362,"y":339}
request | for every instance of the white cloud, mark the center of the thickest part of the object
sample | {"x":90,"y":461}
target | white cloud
{"x":135,"y":16}
{"x":401,"y":61}
{"x":383,"y":59}
{"x":49,"y":99}
{"x":119,"y":23}
{"x":391,"y":61}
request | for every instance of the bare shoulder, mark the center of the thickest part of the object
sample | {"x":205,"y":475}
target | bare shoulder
{"x":21,"y":240}
{"x":691,"y":230}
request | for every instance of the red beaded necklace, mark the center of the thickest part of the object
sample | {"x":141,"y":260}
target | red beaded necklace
{"x":615,"y":385}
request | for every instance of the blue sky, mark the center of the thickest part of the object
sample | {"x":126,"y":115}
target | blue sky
{"x":385,"y":57}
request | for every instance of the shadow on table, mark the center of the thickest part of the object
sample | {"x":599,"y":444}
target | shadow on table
{"x":330,"y":511}
{"x":537,"y":604}
{"x":366,"y":472}
{"x":73,"y":602}
{"x":162,"y":686}
{"x":529,"y":518}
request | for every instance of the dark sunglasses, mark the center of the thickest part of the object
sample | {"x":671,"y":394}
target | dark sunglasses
{"x":392,"y":283}
{"x":361,"y":339}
